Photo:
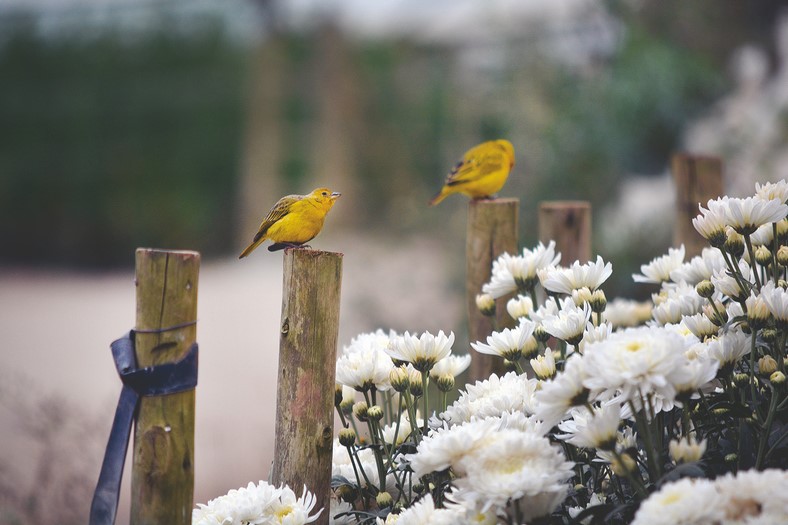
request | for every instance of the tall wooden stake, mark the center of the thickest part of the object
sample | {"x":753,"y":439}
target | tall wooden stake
{"x":698,"y":179}
{"x":162,"y":478}
{"x":568,"y":223}
{"x":307,"y":360}
{"x":492,"y":230}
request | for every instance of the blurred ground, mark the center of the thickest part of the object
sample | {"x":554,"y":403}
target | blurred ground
{"x":58,"y":385}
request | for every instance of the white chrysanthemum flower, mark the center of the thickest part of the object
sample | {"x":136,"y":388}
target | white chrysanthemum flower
{"x":544,"y":365}
{"x":401,"y":433}
{"x":752,"y":497}
{"x":776,"y":299}
{"x":711,"y":222}
{"x":510,"y":272}
{"x":365,"y":364}
{"x":446,"y":446}
{"x":625,"y":440}
{"x":423,"y":512}
{"x":569,"y":323}
{"x":635,"y":362}
{"x":658,"y":270}
{"x":763,"y":236}
{"x":509,"y":342}
{"x":700,"y":325}
{"x":696,"y":375}
{"x":520,"y":306}
{"x":548,"y":309}
{"x":772,"y":190}
{"x":290,"y":510}
{"x":513,"y":465}
{"x":471,"y":512}
{"x":519,"y":421}
{"x":626,"y":313}
{"x":684,"y":502}
{"x":748,"y":214}
{"x":493,"y":397}
{"x":594,"y":334}
{"x":422,"y":352}
{"x":590,"y":275}
{"x":687,"y":450}
{"x":565,"y":391}
{"x":261,"y":503}
{"x":727,"y":285}
{"x":729,"y":348}
{"x":699,"y":267}
{"x":452,"y":365}
{"x":597,"y":430}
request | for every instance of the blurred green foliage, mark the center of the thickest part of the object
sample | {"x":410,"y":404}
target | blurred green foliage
{"x":109,"y":143}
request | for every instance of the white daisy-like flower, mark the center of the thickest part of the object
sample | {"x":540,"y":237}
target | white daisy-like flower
{"x":391,"y":432}
{"x":514,"y":465}
{"x":548,"y":309}
{"x":772,"y":190}
{"x":635,"y":362}
{"x":729,"y":347}
{"x":509,"y":342}
{"x":422,"y":352}
{"x":752,"y":497}
{"x":590,"y":275}
{"x":687,"y":450}
{"x":763,"y":236}
{"x":658,"y":270}
{"x":700,"y":325}
{"x":290,"y":510}
{"x":594,"y":333}
{"x":748,"y":214}
{"x":727,"y":285}
{"x":566,"y":390}
{"x":471,"y":512}
{"x":597,"y":430}
{"x":569,"y":323}
{"x":492,"y":397}
{"x":544,"y":365}
{"x":626,"y":313}
{"x":424,"y":512}
{"x":365,"y":364}
{"x":776,"y":299}
{"x":697,"y":375}
{"x":452,"y":365}
{"x":688,"y":501}
{"x":699,"y":267}
{"x":261,"y":503}
{"x":446,"y":446}
{"x":711,"y":222}
{"x":510,"y":272}
{"x":520,"y":306}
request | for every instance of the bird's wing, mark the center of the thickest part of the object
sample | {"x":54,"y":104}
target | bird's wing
{"x":477,"y":163}
{"x":280,"y":209}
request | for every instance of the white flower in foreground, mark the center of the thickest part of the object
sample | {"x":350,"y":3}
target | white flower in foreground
{"x":752,"y":497}
{"x":401,"y":432}
{"x":687,"y":450}
{"x":776,"y":300}
{"x":451,"y":365}
{"x":261,"y":503}
{"x":422,"y":352}
{"x":508,"y":343}
{"x":594,"y":334}
{"x":711,"y":222}
{"x":520,"y":306}
{"x":697,"y":375}
{"x":423,"y":512}
{"x":493,"y":397}
{"x":544,"y":365}
{"x":625,"y":313}
{"x":700,"y":325}
{"x":729,"y":348}
{"x":763,"y":236}
{"x":684,"y":502}
{"x":599,"y":430}
{"x":699,"y":267}
{"x":289,"y":510}
{"x":570,"y":322}
{"x":363,"y":366}
{"x":748,"y":214}
{"x":772,"y":190}
{"x":658,"y":270}
{"x":565,"y":391}
{"x":635,"y":362}
{"x":515,"y":465}
{"x":512,"y":272}
{"x":728,"y":285}
{"x":446,"y":446}
{"x":563,"y":280}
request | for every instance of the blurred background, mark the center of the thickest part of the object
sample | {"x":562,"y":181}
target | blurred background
{"x":178,"y":123}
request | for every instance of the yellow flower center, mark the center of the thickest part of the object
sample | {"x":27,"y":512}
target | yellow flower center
{"x":634,"y":346}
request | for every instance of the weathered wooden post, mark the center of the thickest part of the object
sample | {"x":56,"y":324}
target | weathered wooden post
{"x":162,"y":478}
{"x":307,"y":361}
{"x":492,"y":230}
{"x":568,"y":223}
{"x":698,"y":179}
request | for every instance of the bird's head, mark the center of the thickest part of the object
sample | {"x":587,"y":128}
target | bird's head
{"x":507,"y":147}
{"x":324,"y":197}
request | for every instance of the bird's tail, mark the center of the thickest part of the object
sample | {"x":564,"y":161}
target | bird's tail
{"x":249,"y":249}
{"x":440,"y":196}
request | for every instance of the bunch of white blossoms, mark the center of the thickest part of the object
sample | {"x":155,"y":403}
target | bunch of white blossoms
{"x":260,"y":504}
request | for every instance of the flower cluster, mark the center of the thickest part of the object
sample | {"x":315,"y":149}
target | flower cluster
{"x":260,"y":504}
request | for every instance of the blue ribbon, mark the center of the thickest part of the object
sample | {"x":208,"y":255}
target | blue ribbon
{"x":159,"y":380}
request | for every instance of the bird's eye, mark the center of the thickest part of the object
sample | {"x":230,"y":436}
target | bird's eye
{"x":325,"y":193}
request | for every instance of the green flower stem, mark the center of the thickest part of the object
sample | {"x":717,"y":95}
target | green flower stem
{"x":444,"y":401}
{"x":425,"y":396}
{"x":753,"y":262}
{"x":767,"y":428}
{"x":775,"y":244}
{"x":375,"y":430}
{"x":355,"y":471}
{"x":518,"y":367}
{"x":733,"y":267}
{"x":645,"y":432}
{"x":532,"y":293}
{"x":716,"y":310}
{"x":752,"y":367}
{"x":409,"y":402}
{"x":634,"y":480}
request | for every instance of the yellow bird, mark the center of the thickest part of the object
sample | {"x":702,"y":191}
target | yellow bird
{"x":294,"y":220}
{"x":481,"y":173}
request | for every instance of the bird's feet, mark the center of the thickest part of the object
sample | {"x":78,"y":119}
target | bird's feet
{"x":283,"y":245}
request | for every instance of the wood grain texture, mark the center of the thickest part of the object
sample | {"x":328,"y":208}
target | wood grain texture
{"x":307,"y":359}
{"x":162,"y":480}
{"x":698,"y":179}
{"x":492,"y":231}
{"x":568,"y":223}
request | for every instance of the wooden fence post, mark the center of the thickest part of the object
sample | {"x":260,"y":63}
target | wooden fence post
{"x":492,"y":230}
{"x":697,"y":179}
{"x":162,"y":478}
{"x":307,"y":369}
{"x":568,"y":223}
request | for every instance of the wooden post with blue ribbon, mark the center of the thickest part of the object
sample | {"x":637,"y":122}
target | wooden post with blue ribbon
{"x":162,"y":479}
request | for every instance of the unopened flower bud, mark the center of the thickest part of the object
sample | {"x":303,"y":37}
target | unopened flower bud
{"x":581,"y":296}
{"x":360,"y":410}
{"x":399,"y":379}
{"x":782,"y":283}
{"x":769,"y":335}
{"x":782,"y":256}
{"x":734,"y":244}
{"x":486,"y":304}
{"x":347,"y":493}
{"x":530,"y":348}
{"x":541,"y":334}
{"x":418,"y":488}
{"x":544,"y":365}
{"x":375,"y":413}
{"x":705,"y":288}
{"x":347,"y":437}
{"x":337,"y":394}
{"x":384,"y":500}
{"x":520,"y":306}
{"x":763,"y":256}
{"x":719,"y":411}
{"x":782,"y":231}
{"x":740,"y":379}
{"x":731,"y":458}
{"x":777,"y":378}
{"x":766,"y":365}
{"x":509,"y":366}
{"x":598,"y":301}
{"x":445,"y":382}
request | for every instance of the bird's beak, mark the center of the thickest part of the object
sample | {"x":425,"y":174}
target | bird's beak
{"x":336,"y":195}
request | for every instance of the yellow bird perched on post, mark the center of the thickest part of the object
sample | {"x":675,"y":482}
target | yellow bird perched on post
{"x":294,"y":220}
{"x":481,"y":173}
